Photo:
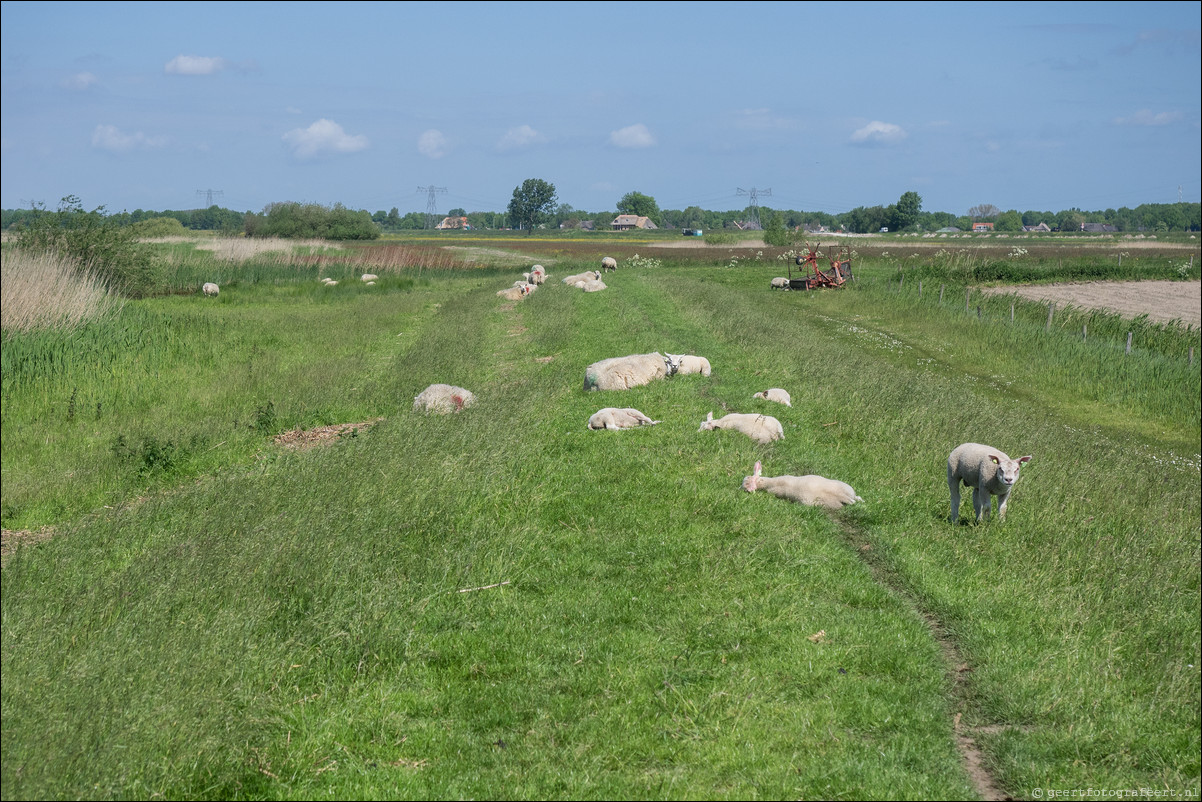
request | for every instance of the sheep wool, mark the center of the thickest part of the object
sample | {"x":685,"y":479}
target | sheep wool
{"x":614,"y":418}
{"x":776,"y":394}
{"x":515,"y":293}
{"x":684,"y":364}
{"x":588,"y":275}
{"x":609,"y":264}
{"x":366,"y":277}
{"x":814,"y":490}
{"x":988,"y":471}
{"x":780,"y":283}
{"x":210,"y":289}
{"x":761,"y":428}
{"x":624,"y":372}
{"x":443,"y":399}
{"x":595,"y":285}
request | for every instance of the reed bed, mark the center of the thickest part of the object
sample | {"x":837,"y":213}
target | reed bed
{"x":50,"y":291}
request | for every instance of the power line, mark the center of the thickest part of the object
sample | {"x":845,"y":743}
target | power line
{"x":431,"y":205}
{"x":209,"y":194}
{"x":755,"y":194}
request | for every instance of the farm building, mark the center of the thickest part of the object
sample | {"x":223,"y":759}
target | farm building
{"x":982,"y":227}
{"x":453,"y":223}
{"x":1037,"y":229}
{"x":625,"y":222}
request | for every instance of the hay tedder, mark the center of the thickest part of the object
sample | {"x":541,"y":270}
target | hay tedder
{"x":810,"y":276}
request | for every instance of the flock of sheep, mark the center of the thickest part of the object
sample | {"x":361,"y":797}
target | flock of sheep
{"x":988,"y":471}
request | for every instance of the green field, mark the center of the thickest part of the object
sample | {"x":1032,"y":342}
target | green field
{"x":503,"y":604}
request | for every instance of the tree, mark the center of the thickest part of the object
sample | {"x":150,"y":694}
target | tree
{"x":533,"y":201}
{"x":1010,"y":221}
{"x":906,"y":211}
{"x":457,"y":213}
{"x":640,"y":205}
{"x":983,"y":211}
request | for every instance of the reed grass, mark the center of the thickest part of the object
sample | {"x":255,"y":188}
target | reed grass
{"x":50,"y":291}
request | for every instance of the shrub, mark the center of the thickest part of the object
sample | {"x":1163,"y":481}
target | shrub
{"x":293,"y":220}
{"x":159,"y":227}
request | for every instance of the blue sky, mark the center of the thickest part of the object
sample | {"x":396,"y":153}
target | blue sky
{"x":1042,"y":106}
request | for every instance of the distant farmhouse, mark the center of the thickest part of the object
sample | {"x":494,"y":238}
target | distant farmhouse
{"x":1037,"y":229}
{"x":978,"y":227}
{"x":1098,"y":228}
{"x":626,"y":222}
{"x":453,"y":223}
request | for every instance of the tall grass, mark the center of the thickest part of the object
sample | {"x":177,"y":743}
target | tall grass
{"x":50,"y":290}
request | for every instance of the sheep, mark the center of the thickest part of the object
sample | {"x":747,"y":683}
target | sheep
{"x":515,"y":293}
{"x":624,"y":372}
{"x":776,"y":394}
{"x":609,"y":263}
{"x":588,"y":275}
{"x":330,"y":282}
{"x":685,"y":364}
{"x":614,"y":418}
{"x":592,"y":286}
{"x":443,"y":399}
{"x":530,"y":287}
{"x":816,"y":491}
{"x":761,"y":428}
{"x":210,"y":289}
{"x":538,"y":274}
{"x":366,"y":277}
{"x":780,"y":283}
{"x":988,"y":472}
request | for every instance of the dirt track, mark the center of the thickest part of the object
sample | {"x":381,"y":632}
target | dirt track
{"x":1159,"y":300}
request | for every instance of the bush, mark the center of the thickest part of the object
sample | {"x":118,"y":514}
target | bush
{"x":159,"y":227}
{"x":292,"y":220}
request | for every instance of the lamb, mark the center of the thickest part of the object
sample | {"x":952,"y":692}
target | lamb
{"x":685,"y":364}
{"x":988,"y":472}
{"x":443,"y":399}
{"x":592,"y":286}
{"x":588,"y":275}
{"x":609,"y":263}
{"x":614,"y":418}
{"x":761,"y":428}
{"x":366,"y":277}
{"x":816,"y":491}
{"x":210,"y":289}
{"x":624,"y":372}
{"x":776,"y":394}
{"x":515,"y":293}
{"x":329,"y":282}
{"x":780,"y":283}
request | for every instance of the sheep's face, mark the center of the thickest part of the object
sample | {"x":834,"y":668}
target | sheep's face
{"x":672,"y":361}
{"x":1007,"y":469}
{"x":751,"y":483}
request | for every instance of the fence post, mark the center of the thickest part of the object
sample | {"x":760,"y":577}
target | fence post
{"x":1128,"y":342}
{"x":1191,"y":356}
{"x":978,"y":313}
{"x":1051,"y":309}
{"x":1012,"y":311}
{"x":941,"y":286}
{"x":967,"y":298}
{"x":1084,"y":332}
{"x":920,"y":288}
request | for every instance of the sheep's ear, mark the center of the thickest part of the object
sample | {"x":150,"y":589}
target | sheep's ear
{"x":993,"y":458}
{"x":758,"y":469}
{"x":1022,"y":460}
{"x":709,"y":416}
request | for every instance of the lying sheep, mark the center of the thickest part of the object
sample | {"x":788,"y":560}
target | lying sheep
{"x":761,"y":428}
{"x":516,"y":293}
{"x":366,"y":277}
{"x":614,"y":418}
{"x":329,"y":282}
{"x":537,"y":274}
{"x":588,"y":275}
{"x":685,"y":364}
{"x":443,"y":399}
{"x":780,"y":283}
{"x":776,"y":394}
{"x":609,"y":263}
{"x":624,"y":372}
{"x":210,"y":289}
{"x":816,"y":491}
{"x":595,"y":285}
{"x":988,"y":472}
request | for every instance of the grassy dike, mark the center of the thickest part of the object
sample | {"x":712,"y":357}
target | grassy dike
{"x":292,"y":626}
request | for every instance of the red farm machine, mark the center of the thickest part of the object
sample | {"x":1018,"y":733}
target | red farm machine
{"x":811,"y":277}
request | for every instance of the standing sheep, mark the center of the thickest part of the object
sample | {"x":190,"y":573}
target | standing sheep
{"x":614,"y":418}
{"x":816,"y":491}
{"x":210,"y":289}
{"x":988,"y":472}
{"x":776,"y":394}
{"x":685,"y":364}
{"x":443,"y":399}
{"x":538,"y":274}
{"x":761,"y":428}
{"x":624,"y":372}
{"x":609,"y":264}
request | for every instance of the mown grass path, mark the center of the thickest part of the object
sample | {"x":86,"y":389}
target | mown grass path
{"x":295,"y":627}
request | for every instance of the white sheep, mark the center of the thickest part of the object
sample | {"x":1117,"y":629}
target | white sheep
{"x":443,"y":399}
{"x":592,"y":286}
{"x":516,"y":293}
{"x":615,"y":418}
{"x":780,"y":283}
{"x":538,"y":274}
{"x":816,"y":491}
{"x":761,"y":428}
{"x":330,"y":282}
{"x":776,"y":394}
{"x":624,"y":372}
{"x":684,"y":364}
{"x":988,"y":472}
{"x":210,"y":289}
{"x":609,"y":263}
{"x":366,"y":277}
{"x":588,"y":275}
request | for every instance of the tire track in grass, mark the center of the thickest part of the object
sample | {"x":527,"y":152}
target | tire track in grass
{"x":955,"y":666}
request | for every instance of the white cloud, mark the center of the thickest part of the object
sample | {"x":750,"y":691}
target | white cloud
{"x":80,"y":81}
{"x":520,"y":137}
{"x":111,"y":138}
{"x":632,"y":136}
{"x":432,"y":144}
{"x":195,"y":65}
{"x":323,"y":136}
{"x":1147,"y":117}
{"x":877,"y":132}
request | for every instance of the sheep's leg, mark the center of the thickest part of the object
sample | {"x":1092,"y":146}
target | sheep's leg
{"x":1002,"y":501}
{"x":981,"y":504}
{"x":953,"y":484}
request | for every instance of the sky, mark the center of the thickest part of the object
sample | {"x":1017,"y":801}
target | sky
{"x":815,"y":106}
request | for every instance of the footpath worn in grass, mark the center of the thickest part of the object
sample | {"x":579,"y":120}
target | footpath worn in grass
{"x":294,"y":627}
